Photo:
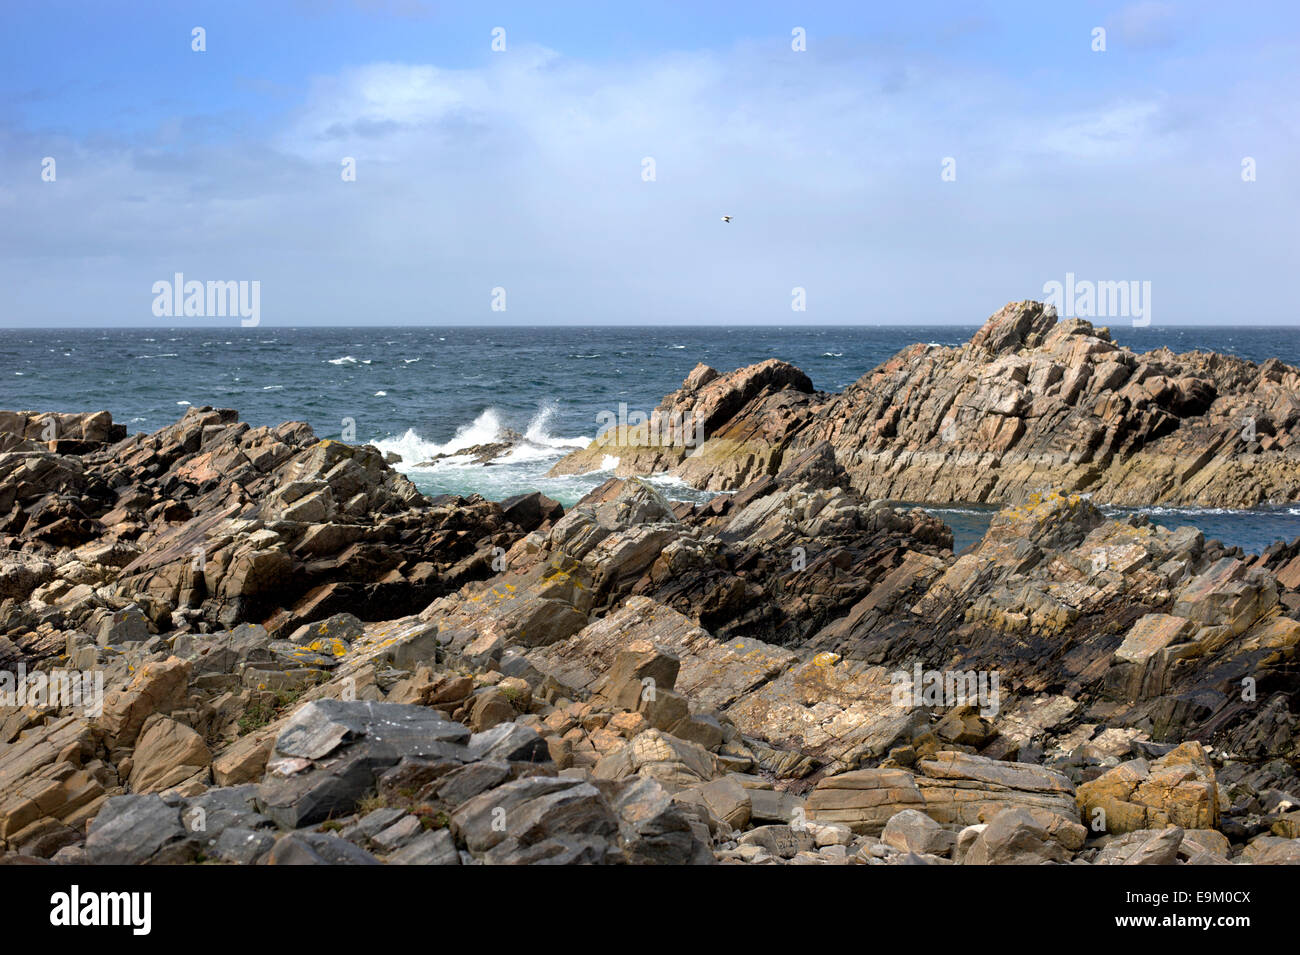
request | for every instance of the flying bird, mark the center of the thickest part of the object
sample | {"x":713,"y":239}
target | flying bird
{"x":726,"y":218}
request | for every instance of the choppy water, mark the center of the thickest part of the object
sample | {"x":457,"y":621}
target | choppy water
{"x":1252,"y":530}
{"x":425,"y":391}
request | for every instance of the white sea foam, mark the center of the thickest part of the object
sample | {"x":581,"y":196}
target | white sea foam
{"x":539,"y":445}
{"x":414,"y":449}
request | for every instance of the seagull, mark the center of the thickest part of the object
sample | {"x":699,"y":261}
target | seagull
{"x":726,"y":218}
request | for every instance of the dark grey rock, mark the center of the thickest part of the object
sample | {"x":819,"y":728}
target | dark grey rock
{"x":509,"y":741}
{"x":471,"y":779}
{"x":318,"y":848}
{"x":242,"y":846}
{"x":435,"y":847}
{"x":401,"y":729}
{"x":530,"y":810}
{"x":131,"y":829}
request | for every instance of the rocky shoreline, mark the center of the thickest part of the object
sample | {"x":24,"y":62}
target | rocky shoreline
{"x":1029,"y":405}
{"x":306,"y":661}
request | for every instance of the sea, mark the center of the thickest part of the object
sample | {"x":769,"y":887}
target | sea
{"x":426,"y":392}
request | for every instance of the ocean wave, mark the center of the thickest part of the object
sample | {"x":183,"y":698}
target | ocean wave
{"x":538,"y":443}
{"x":348,"y":360}
{"x":832,"y":354}
{"x":1163,"y":510}
{"x":415,"y":449}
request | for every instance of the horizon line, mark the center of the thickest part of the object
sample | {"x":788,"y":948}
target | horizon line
{"x":801,"y":325}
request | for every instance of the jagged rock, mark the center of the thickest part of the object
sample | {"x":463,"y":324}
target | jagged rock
{"x":159,"y":687}
{"x":128,"y":625}
{"x":674,"y":763}
{"x":1029,"y":403}
{"x":531,"y":511}
{"x":653,"y":828}
{"x":245,"y":760}
{"x":329,"y":754}
{"x":167,"y":754}
{"x":678,"y":654}
{"x":684,"y":665}
{"x":724,"y":798}
{"x":435,"y":847}
{"x":342,"y":627}
{"x":1142,"y":847}
{"x":317,"y":848}
{"x":508,"y":741}
{"x":132,"y":829}
{"x":49,"y":783}
{"x":242,"y":846}
{"x":531,"y":811}
{"x":669,"y":438}
{"x":1177,"y":789}
{"x":225,"y":651}
{"x":1271,"y":850}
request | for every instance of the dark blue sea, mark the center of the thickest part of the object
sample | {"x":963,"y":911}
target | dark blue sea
{"x":427,"y":391}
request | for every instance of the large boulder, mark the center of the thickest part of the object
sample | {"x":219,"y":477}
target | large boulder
{"x":1177,"y":789}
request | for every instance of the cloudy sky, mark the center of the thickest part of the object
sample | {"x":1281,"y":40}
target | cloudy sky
{"x":526,"y":168}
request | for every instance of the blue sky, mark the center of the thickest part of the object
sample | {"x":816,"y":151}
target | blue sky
{"x":523,"y":169}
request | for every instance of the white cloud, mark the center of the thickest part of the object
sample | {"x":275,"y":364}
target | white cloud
{"x":1124,"y":130}
{"x":526,"y":172}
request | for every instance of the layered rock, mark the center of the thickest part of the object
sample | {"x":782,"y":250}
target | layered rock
{"x":1029,"y":404}
{"x":210,"y":523}
{"x":793,"y":674}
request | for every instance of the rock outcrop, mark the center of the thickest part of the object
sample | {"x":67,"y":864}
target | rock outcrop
{"x":284,"y":654}
{"x":1029,"y":404}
